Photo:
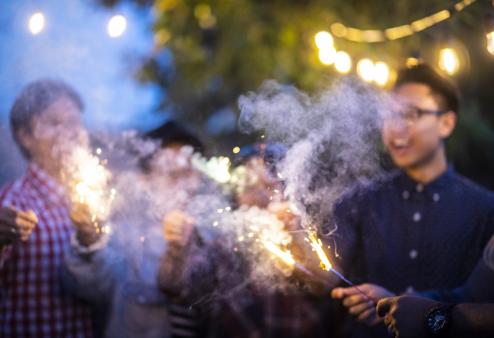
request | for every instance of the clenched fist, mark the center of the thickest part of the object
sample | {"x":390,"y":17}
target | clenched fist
{"x":16,"y":224}
{"x":88,"y":228}
{"x":178,"y":227}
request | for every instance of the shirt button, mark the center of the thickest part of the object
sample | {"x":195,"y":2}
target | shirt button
{"x":413,"y":254}
{"x":419,"y":187}
{"x":436,"y":197}
{"x":405,"y":194}
{"x":417,"y":217}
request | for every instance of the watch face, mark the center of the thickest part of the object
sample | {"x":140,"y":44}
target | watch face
{"x":436,"y":321}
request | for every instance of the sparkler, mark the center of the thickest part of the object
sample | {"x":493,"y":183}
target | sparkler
{"x":286,"y":257}
{"x":326,"y":265}
{"x":88,"y":180}
{"x":216,"y":168}
{"x":316,"y":244}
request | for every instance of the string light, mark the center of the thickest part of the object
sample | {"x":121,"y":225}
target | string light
{"x":393,"y":33}
{"x":324,"y":40}
{"x":412,"y":62}
{"x":490,"y":42}
{"x":327,"y":56}
{"x":343,"y":62}
{"x":365,"y":69}
{"x":36,"y":23}
{"x":117,"y":26}
{"x":369,"y":71}
{"x":449,"y":60}
{"x":381,"y":73}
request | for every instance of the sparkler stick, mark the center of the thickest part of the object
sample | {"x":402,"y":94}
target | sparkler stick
{"x":287,"y":258}
{"x":316,"y":244}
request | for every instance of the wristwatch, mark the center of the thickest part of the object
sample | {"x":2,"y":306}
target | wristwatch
{"x":438,"y":320}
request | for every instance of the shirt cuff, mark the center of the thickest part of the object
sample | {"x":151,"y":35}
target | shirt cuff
{"x":5,"y":253}
{"x":88,"y":250}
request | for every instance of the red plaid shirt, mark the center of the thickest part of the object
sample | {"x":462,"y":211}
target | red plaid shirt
{"x":32,"y":300}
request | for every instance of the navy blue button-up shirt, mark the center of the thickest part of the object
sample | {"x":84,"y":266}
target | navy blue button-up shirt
{"x":403,"y":235}
{"x":407,"y":236}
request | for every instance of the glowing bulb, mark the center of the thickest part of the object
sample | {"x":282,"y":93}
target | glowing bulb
{"x":327,"y":56}
{"x":117,"y":26}
{"x":449,"y":61}
{"x":381,"y":73}
{"x":36,"y":23}
{"x":365,"y":69}
{"x":236,"y":150}
{"x":412,"y":62}
{"x":343,"y":62}
{"x":490,"y":42}
{"x":324,"y":40}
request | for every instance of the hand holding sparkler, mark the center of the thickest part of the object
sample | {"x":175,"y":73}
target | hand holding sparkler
{"x":16,"y":224}
{"x":87,"y":226}
{"x":178,"y":227}
{"x":361,"y":301}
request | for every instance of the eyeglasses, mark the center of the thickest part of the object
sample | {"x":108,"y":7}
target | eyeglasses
{"x":412,"y":114}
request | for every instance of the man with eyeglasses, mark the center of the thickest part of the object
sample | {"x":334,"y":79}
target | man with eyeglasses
{"x":422,"y":227}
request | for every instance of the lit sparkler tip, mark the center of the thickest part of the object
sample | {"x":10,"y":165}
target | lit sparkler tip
{"x":284,"y":255}
{"x":316,"y":245}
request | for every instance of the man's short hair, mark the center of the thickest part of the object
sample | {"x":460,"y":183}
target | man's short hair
{"x":167,"y":134}
{"x":444,"y":89}
{"x":35,"y":98}
{"x":173,"y":132}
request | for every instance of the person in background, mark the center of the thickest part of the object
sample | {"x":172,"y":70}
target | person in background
{"x":118,"y":268}
{"x":297,"y":311}
{"x":46,"y":115}
{"x":422,"y":227}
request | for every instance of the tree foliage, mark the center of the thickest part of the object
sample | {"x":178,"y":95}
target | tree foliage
{"x":208,"y":52}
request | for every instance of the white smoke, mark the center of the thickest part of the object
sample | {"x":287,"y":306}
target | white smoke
{"x":332,"y":139}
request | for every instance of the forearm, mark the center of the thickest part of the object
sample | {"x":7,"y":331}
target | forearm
{"x":472,"y":320}
{"x":89,"y":271}
{"x":171,"y":270}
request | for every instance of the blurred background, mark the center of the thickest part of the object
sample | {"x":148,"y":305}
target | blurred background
{"x":138,"y":63}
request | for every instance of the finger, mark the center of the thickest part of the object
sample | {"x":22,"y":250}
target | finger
{"x":358,"y":309}
{"x":390,"y":331}
{"x":383,"y":306}
{"x":368,"y":316}
{"x":23,"y":224}
{"x":28,"y":216}
{"x":387,"y":320}
{"x":339,"y":293}
{"x":354,"y":300}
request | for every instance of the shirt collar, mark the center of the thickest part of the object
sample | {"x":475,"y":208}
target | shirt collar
{"x":409,"y":187}
{"x":46,"y":185}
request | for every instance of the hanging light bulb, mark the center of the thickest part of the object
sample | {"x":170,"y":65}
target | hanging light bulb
{"x":490,"y":42}
{"x":117,"y":26}
{"x":489,"y":30}
{"x":327,"y":56}
{"x":381,"y":73}
{"x":36,"y":23}
{"x":365,"y":69}
{"x":324,"y":40}
{"x":343,"y":62}
{"x":449,"y":61}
